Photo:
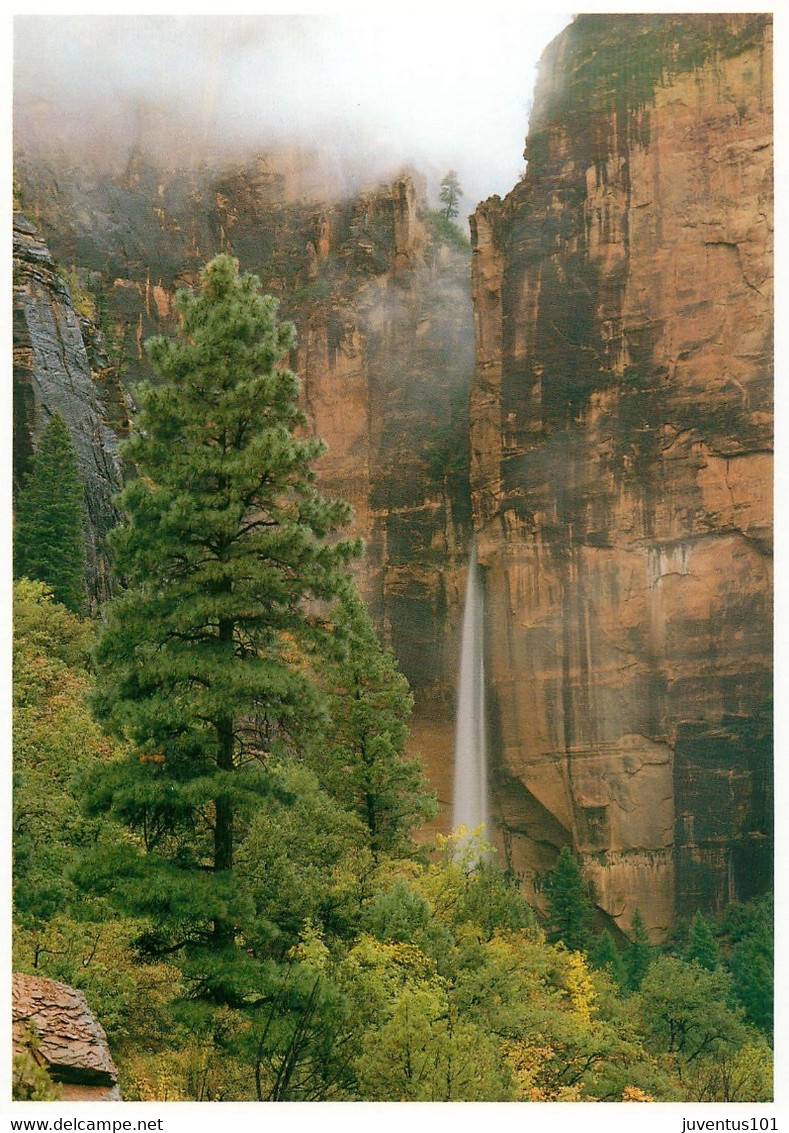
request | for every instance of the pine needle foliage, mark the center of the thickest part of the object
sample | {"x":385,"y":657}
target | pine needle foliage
{"x":570,"y":909}
{"x":640,"y":953}
{"x":362,"y":760}
{"x":49,"y":541}
{"x":229,"y":553}
{"x":449,"y":194}
{"x":702,"y":946}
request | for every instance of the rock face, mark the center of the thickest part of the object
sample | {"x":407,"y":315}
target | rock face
{"x":387,"y":360}
{"x":53,"y":1024}
{"x":621,"y":464}
{"x":381,"y":301}
{"x":52,"y":373}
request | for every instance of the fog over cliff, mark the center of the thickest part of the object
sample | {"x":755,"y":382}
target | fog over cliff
{"x":376,"y":90}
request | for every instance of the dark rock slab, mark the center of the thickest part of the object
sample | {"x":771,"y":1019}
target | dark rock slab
{"x":52,"y":374}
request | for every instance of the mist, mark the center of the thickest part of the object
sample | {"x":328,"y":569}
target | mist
{"x":372,"y":92}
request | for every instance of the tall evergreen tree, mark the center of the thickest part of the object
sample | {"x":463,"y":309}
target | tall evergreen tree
{"x":604,"y":955}
{"x":49,"y":541}
{"x":362,"y":760}
{"x":449,"y":194}
{"x":226,"y":551}
{"x":752,"y":965}
{"x":702,"y":946}
{"x":640,"y":953}
{"x":752,"y":960}
{"x":569,"y":908}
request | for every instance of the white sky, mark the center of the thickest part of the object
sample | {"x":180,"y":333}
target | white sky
{"x":436,"y":88}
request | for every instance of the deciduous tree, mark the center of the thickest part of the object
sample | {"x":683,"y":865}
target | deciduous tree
{"x":54,"y":740}
{"x":684,"y":1012}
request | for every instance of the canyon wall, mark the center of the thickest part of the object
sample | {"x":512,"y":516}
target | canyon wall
{"x":621,"y":465}
{"x":379,"y":291}
{"x":618,"y":442}
{"x":53,"y":373}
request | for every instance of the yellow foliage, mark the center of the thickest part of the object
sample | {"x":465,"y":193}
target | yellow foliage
{"x":311,"y":948}
{"x":200,"y":1070}
{"x":152,"y":1080}
{"x":377,"y":974}
{"x":405,"y":963}
{"x":525,"y":1059}
{"x":580,"y":988}
{"x":383,"y":873}
{"x":633,"y":1094}
{"x":445,"y":882}
{"x":83,"y":301}
{"x":464,"y":847}
{"x":528,"y":1060}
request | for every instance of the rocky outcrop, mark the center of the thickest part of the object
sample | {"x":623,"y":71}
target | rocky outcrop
{"x":621,"y":464}
{"x":53,"y":1026}
{"x":52,"y":373}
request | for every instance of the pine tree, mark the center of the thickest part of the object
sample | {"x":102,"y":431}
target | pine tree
{"x":640,"y":953}
{"x":49,"y":543}
{"x":230,"y":569}
{"x":570,"y":910}
{"x":362,"y":759}
{"x":702,"y":946}
{"x":752,"y":964}
{"x":449,"y":194}
{"x":604,"y":955}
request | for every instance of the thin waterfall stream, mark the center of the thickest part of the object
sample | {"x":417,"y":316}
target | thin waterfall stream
{"x":470,"y":799}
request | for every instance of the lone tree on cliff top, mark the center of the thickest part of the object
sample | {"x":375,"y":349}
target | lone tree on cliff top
{"x":225,"y":551}
{"x":449,"y":194}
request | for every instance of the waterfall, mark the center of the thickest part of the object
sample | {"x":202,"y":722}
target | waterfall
{"x":470,"y":801}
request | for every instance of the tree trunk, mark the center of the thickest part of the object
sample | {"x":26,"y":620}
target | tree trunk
{"x":223,"y":833}
{"x":223,"y":830}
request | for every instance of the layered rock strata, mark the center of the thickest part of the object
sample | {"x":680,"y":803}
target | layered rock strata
{"x":621,"y":465}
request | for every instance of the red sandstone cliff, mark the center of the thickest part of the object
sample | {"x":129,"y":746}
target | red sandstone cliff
{"x":621,"y":434}
{"x":381,"y":301}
